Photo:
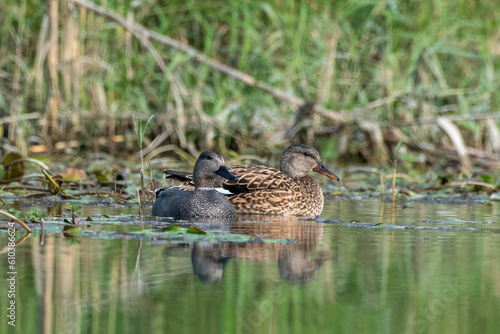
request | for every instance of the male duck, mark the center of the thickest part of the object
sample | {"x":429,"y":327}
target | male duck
{"x":203,"y":201}
{"x":265,"y":190}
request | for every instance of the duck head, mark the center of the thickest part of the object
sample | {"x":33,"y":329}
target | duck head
{"x":299,"y":159}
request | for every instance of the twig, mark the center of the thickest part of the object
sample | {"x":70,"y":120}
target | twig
{"x":40,"y":193}
{"x":422,"y":121}
{"x":481,"y":158}
{"x":17,"y":220}
{"x":27,"y":188}
{"x":402,"y":176}
{"x":394,"y":180}
{"x":17,"y":118}
{"x":41,"y":164}
{"x":42,"y":233}
{"x":463,"y":184}
{"x":382,"y":190}
{"x":140,"y":208}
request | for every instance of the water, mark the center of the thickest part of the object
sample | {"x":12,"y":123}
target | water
{"x":333,"y":279}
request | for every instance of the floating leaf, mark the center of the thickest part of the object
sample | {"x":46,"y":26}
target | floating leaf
{"x":195,"y":230}
{"x":171,"y":228}
{"x":89,"y":219}
{"x":105,"y":216}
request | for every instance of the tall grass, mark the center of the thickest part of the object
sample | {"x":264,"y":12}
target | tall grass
{"x":379,"y":61}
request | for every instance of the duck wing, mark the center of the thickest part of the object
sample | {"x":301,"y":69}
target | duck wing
{"x":251,"y":178}
{"x":179,"y":176}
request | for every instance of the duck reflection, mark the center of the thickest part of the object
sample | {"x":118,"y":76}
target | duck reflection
{"x":297,"y":262}
{"x":208,"y":264}
{"x":296,"y":268}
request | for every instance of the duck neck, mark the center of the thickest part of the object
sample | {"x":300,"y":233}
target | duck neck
{"x":312,"y":191}
{"x":204,"y":183}
{"x":289,"y":171}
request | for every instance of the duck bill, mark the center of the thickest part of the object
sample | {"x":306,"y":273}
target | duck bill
{"x":223,"y":172}
{"x":323,"y":170}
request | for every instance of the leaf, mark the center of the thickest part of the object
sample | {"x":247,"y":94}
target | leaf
{"x":487,"y":179}
{"x":396,"y":149}
{"x":171,"y":228}
{"x":74,"y":207}
{"x":101,"y":177}
{"x":12,"y":170}
{"x":105,"y":216}
{"x":195,"y":230}
{"x":14,"y":212}
{"x":53,"y":185}
{"x":89,"y":219}
{"x":73,"y":174}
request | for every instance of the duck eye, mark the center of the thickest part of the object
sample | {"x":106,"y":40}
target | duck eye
{"x":209,"y":157}
{"x":307,"y":154}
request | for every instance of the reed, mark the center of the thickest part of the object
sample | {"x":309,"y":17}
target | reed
{"x":384,"y":63}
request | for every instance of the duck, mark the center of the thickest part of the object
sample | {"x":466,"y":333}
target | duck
{"x":201,"y":201}
{"x":265,"y":190}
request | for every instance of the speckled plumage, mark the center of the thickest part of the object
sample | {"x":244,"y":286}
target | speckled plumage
{"x":201,"y":200}
{"x":265,"y":190}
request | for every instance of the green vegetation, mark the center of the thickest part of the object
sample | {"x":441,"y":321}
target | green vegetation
{"x":73,"y":80}
{"x":374,"y":282}
{"x":73,"y":210}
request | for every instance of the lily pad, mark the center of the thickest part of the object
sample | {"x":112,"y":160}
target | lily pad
{"x":195,"y":230}
{"x":171,"y":228}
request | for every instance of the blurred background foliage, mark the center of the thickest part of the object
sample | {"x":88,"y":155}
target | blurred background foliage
{"x":371,"y":73}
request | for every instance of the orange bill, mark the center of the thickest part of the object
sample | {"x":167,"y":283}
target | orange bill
{"x":323,"y":170}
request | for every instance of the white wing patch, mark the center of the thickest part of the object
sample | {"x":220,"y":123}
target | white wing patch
{"x":224,"y":191}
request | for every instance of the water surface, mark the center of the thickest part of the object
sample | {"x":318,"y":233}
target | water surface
{"x":332,"y":279}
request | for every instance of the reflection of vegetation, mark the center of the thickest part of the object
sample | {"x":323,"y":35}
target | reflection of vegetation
{"x":35,"y":216}
{"x":414,"y":73}
{"x":73,"y":210}
{"x":419,"y":278}
{"x":403,"y":63}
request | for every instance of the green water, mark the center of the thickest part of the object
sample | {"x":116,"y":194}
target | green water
{"x":334,"y":279}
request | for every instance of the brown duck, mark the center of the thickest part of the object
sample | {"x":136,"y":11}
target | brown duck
{"x":265,"y":190}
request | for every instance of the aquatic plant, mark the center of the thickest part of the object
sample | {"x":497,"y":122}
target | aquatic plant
{"x":73,"y":210}
{"x":240,"y":77}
